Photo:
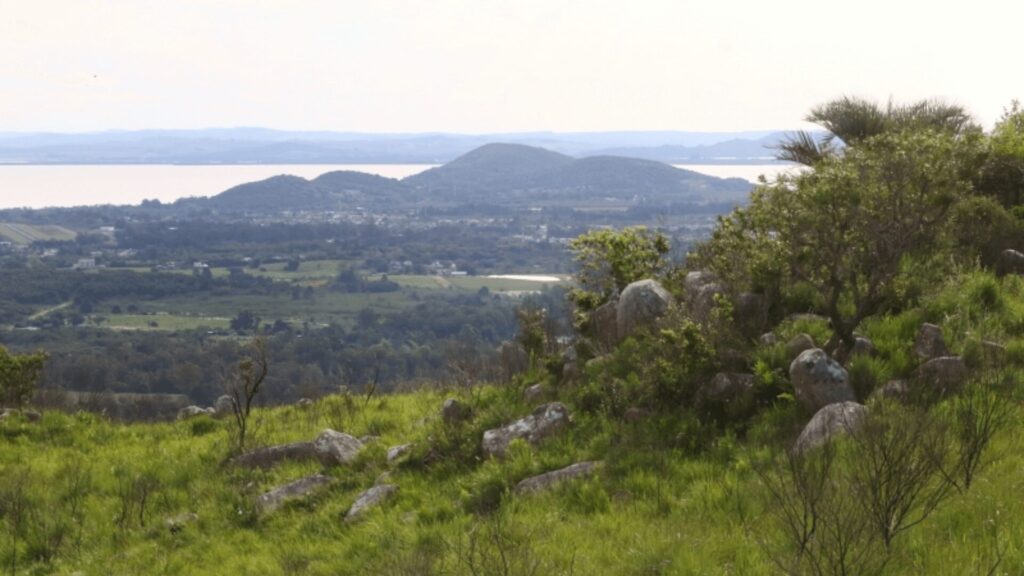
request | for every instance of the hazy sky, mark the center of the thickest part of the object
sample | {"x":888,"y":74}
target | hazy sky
{"x":487,"y":66}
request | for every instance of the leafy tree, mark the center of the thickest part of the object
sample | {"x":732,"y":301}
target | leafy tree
{"x":609,"y":260}
{"x":851,"y":229}
{"x":19,"y":374}
{"x":1002,"y":175}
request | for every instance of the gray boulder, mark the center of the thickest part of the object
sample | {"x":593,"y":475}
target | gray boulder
{"x":267,"y":457}
{"x":551,"y":479}
{"x":193,"y":411}
{"x":545,"y":421}
{"x":640,"y":305}
{"x":396,"y":452}
{"x":894,"y":389}
{"x":1010,"y":262}
{"x":831,"y":420}
{"x":301,"y":488}
{"x":604,"y":323}
{"x":728,"y":393}
{"x":819,"y":380}
{"x":223,"y":406}
{"x":939,"y":377}
{"x":700,"y":289}
{"x":536,"y":394}
{"x":453,"y":411}
{"x":372,"y":498}
{"x":929,"y":342}
{"x":768,"y":339}
{"x":332,"y":447}
{"x":798,"y":344}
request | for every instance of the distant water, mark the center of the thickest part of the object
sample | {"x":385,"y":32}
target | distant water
{"x":39,"y":186}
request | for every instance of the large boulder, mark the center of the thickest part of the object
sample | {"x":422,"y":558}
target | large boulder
{"x":223,"y":406}
{"x":267,"y":457}
{"x":536,"y":394}
{"x":831,"y":420}
{"x":301,"y":488}
{"x":929,"y":342}
{"x":798,"y":344}
{"x":453,"y":411}
{"x":545,"y":421}
{"x":750,"y":313}
{"x":1010,"y":262}
{"x":604,"y":323}
{"x":727,"y":394}
{"x":372,"y":498}
{"x":700,"y":289}
{"x":193,"y":411}
{"x":551,"y":479}
{"x":940,"y":377}
{"x":640,"y":305}
{"x":332,"y":447}
{"x":819,"y":380}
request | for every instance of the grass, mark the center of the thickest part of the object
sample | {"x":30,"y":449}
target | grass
{"x":28,"y":233}
{"x":160,"y":322}
{"x":661,"y":504}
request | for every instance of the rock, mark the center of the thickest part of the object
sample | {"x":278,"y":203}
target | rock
{"x":929,"y":342}
{"x":536,"y":394}
{"x":301,"y":488}
{"x":545,"y":421}
{"x":894,"y":389}
{"x":750,"y":313}
{"x":371,"y":498}
{"x":640,"y":305}
{"x":550,"y":479}
{"x":798,"y":344}
{"x":9,"y":413}
{"x":604,"y":323}
{"x":728,"y":393}
{"x":768,"y":339}
{"x":304,"y":402}
{"x":267,"y":457}
{"x":696,"y":280}
{"x":454,"y":411}
{"x":831,"y":420}
{"x":333,"y":448}
{"x":1010,"y":262}
{"x":31,"y":415}
{"x":514,"y":358}
{"x":223,"y":406}
{"x":193,"y":411}
{"x":861,"y":347}
{"x":939,"y":377}
{"x":634,"y":414}
{"x":177,"y":523}
{"x":700,"y":289}
{"x":396,"y":452}
{"x":819,"y":380}
{"x":369,"y":439}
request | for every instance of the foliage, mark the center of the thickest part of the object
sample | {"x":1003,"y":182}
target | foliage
{"x":243,"y":385}
{"x":609,"y":260}
{"x":19,"y":375}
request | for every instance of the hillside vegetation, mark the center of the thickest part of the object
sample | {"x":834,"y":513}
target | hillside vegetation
{"x":831,"y":384}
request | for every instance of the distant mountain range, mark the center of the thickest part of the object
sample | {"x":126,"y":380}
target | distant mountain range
{"x":265,"y":146}
{"x":494,"y":174}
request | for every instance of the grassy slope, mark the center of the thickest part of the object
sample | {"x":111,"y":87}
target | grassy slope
{"x":657,"y":507}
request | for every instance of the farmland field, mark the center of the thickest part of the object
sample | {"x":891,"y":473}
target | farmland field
{"x":27,"y":234}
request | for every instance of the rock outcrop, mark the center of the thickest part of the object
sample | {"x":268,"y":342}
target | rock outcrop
{"x":333,"y":448}
{"x":819,"y":380}
{"x":831,"y":420}
{"x":372,"y":498}
{"x":272,"y":455}
{"x":604,"y":323}
{"x":640,"y":305}
{"x":700,"y":289}
{"x":545,"y":421}
{"x":453,"y":411}
{"x":193,"y":411}
{"x":1010,"y":262}
{"x":223,"y":406}
{"x":940,"y":377}
{"x":929,"y":342}
{"x":301,"y":488}
{"x":551,"y":479}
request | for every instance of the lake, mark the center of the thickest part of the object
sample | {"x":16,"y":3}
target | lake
{"x":39,"y":186}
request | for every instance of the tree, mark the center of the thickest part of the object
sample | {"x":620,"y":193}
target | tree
{"x":851,"y":229}
{"x":19,"y":375}
{"x":243,"y":385}
{"x":609,"y":260}
{"x":851,"y":121}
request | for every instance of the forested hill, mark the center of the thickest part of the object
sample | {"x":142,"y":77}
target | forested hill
{"x":490,"y":174}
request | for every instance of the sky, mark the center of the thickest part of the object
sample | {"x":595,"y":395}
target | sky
{"x":480,"y":66}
